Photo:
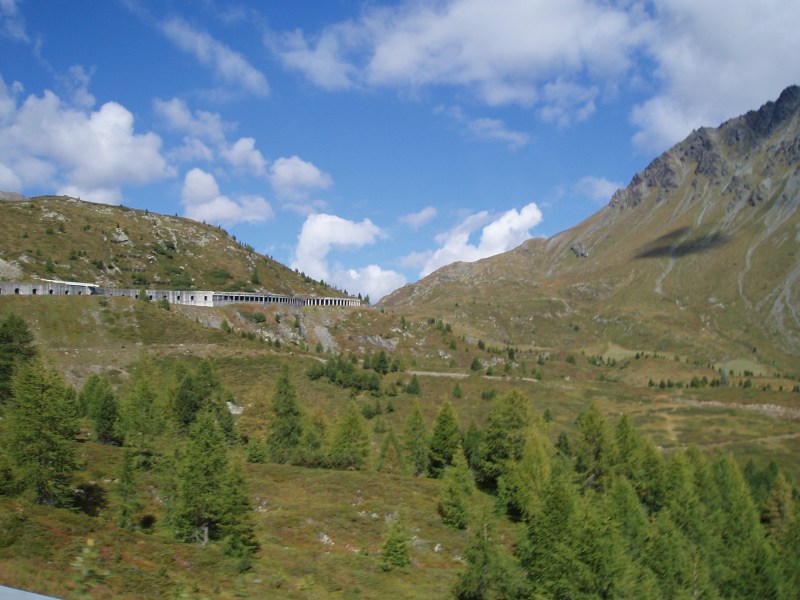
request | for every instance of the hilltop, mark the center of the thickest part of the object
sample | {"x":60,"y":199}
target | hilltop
{"x":58,"y":237}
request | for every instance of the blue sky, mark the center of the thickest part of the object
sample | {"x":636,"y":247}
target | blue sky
{"x":369,"y":143}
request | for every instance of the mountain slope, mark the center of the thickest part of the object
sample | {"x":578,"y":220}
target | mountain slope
{"x":698,"y":255}
{"x":57,"y":237}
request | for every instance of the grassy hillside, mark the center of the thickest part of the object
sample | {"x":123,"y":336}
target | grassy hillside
{"x":57,"y":237}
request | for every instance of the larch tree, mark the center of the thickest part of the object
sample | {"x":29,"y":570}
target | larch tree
{"x":39,"y":434}
{"x":350,"y":441}
{"x":415,"y":442}
{"x":445,"y":440}
{"x":504,"y":436}
{"x":458,"y":489}
{"x":285,"y":421}
{"x":16,"y":348}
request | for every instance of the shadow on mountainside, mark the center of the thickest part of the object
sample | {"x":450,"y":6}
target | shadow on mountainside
{"x":668,"y":245}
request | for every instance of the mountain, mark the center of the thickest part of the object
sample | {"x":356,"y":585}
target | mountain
{"x":697,"y":256}
{"x":57,"y":237}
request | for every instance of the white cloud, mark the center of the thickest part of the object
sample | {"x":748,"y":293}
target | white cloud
{"x":502,"y":51}
{"x":566,"y":103}
{"x":597,"y":189}
{"x":498,"y":235}
{"x":44,"y":142}
{"x":418,"y":219}
{"x":324,"y":64}
{"x":200,"y":124}
{"x":485,"y":129}
{"x":320,"y":233}
{"x":9,"y":182}
{"x":495,"y":130}
{"x":12,"y":24}
{"x":244,"y":156}
{"x":203,"y":201}
{"x":716,"y":59}
{"x":230,"y":66}
{"x":372,"y":281}
{"x":294,"y":178}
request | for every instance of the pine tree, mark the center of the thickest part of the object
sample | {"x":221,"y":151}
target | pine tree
{"x":458,"y":488}
{"x":445,"y":440}
{"x":394,"y":553}
{"x":38,"y":440}
{"x":415,"y":442}
{"x":285,"y":425}
{"x":128,"y":504}
{"x":350,"y":443}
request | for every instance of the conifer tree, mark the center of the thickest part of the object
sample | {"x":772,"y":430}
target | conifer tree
{"x":198,"y":509}
{"x":141,"y":416}
{"x":390,"y":458}
{"x":313,"y":445}
{"x":504,"y":436}
{"x":236,"y":526}
{"x":594,"y":448}
{"x":779,"y":509}
{"x":413,"y":386}
{"x":128,"y":504}
{"x":519,"y":488}
{"x":489,"y":574}
{"x":458,"y":488}
{"x":350,"y":443}
{"x":394,"y":553}
{"x":415,"y":442}
{"x":39,"y":429}
{"x":445,"y":440}
{"x":472,"y":444}
{"x":285,"y":424}
{"x":103,"y":412}
{"x":16,"y":348}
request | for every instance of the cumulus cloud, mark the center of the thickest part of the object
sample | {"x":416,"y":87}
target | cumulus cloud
{"x":418,"y":219}
{"x":200,"y":124}
{"x":372,"y":281}
{"x":228,"y":65}
{"x":203,"y":201}
{"x":322,"y":233}
{"x":597,"y":189}
{"x":244,"y":156}
{"x":295,"y":178}
{"x":498,"y":234}
{"x":45,"y":142}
